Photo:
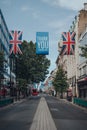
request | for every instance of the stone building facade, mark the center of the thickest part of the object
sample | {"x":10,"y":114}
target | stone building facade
{"x":71,"y":63}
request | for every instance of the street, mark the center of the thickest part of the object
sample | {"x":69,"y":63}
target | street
{"x":19,"y":116}
{"x":43,"y":65}
{"x":66,"y":115}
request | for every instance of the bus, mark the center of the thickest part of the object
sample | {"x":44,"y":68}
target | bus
{"x":34,"y":92}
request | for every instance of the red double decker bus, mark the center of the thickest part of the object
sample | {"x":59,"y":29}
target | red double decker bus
{"x":34,"y":92}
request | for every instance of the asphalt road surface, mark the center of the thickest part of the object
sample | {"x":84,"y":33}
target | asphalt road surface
{"x":18,"y":116}
{"x":66,"y":115}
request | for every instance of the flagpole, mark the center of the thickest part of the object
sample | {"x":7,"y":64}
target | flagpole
{"x":15,"y":41}
{"x":11,"y":87}
{"x":16,"y":76}
{"x":10,"y":73}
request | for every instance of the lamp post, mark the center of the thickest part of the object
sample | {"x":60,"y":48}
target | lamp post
{"x":12,"y":92}
{"x":11,"y":89}
{"x":16,"y":76}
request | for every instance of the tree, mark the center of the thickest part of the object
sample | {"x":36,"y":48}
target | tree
{"x":83,"y":51}
{"x":22,"y":87}
{"x":30,"y":66}
{"x":60,"y":81}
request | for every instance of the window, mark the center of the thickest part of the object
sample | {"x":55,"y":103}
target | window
{"x":84,"y":69}
{"x":82,"y":43}
{"x":80,"y":72}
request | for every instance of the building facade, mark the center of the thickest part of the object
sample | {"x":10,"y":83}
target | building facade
{"x":4,"y":47}
{"x":74,"y":65}
{"x":82,"y":77}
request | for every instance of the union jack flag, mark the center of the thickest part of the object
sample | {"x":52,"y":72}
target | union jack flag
{"x":68,"y":43}
{"x":15,"y":42}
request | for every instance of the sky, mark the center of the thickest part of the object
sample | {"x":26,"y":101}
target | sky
{"x":31,"y":16}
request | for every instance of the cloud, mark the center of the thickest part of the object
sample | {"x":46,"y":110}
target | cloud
{"x":34,"y":13}
{"x":73,"y":5}
{"x":25,"y":8}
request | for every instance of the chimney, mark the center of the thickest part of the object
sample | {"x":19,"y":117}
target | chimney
{"x":85,"y":6}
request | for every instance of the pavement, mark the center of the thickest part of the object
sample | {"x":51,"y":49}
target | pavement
{"x":76,"y":105}
{"x":15,"y":102}
{"x":43,"y":119}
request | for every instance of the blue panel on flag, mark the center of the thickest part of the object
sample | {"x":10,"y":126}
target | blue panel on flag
{"x":42,"y":43}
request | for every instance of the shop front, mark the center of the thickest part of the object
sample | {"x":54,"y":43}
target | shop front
{"x":82,"y":88}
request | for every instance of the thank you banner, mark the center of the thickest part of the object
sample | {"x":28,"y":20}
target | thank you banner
{"x":42,"y":43}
